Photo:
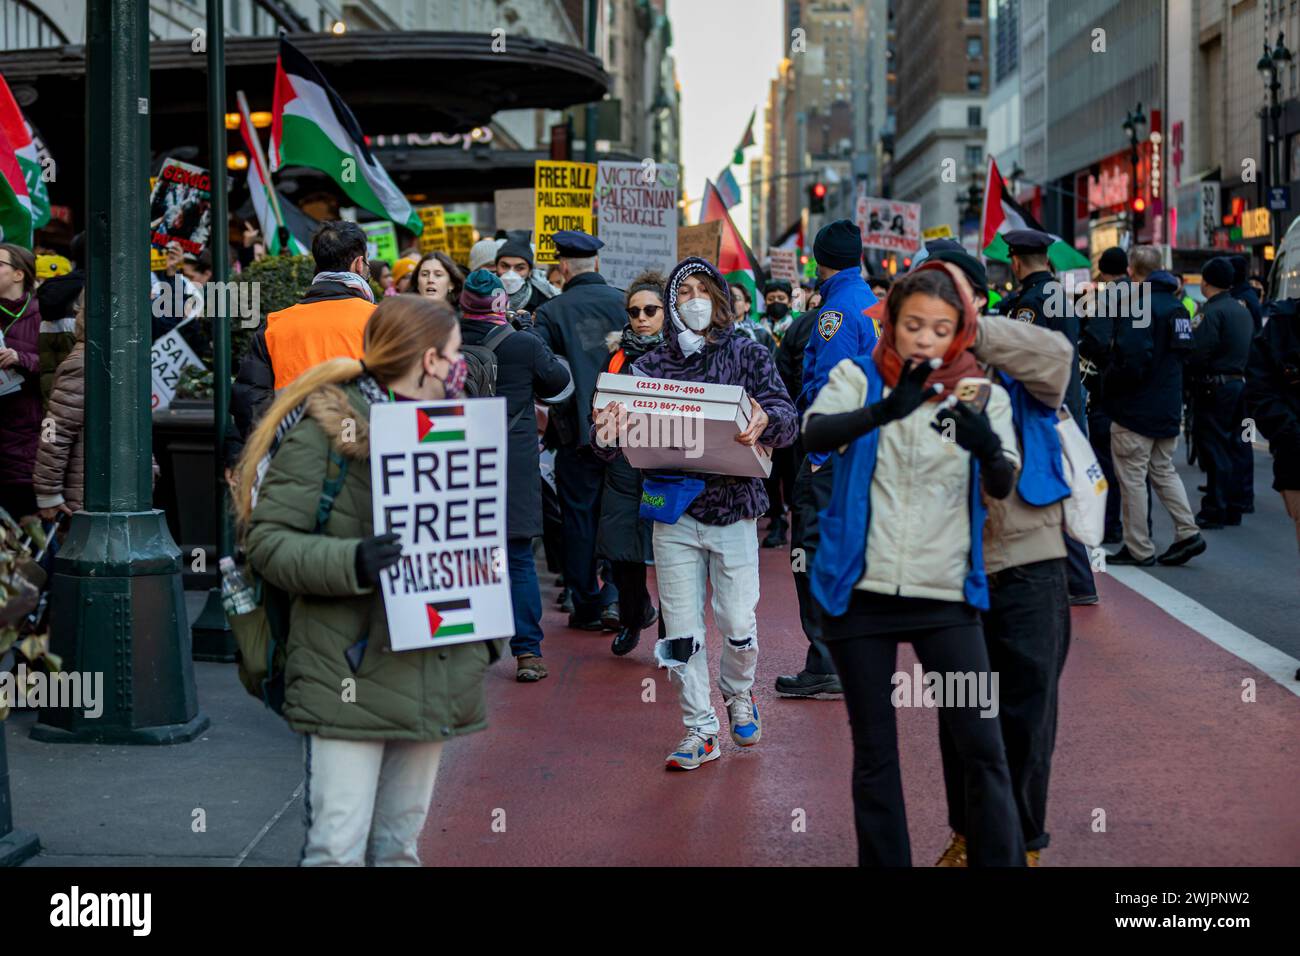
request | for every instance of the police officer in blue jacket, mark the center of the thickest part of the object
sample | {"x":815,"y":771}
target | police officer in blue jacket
{"x":841,"y":331}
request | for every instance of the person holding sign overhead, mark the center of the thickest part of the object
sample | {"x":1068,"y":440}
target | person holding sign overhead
{"x":574,"y":324}
{"x":374,"y":721}
{"x":706,"y":526}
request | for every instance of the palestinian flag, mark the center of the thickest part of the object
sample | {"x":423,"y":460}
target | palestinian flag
{"x":312,"y":126}
{"x":746,"y":140}
{"x":450,"y":618}
{"x":735,"y":260}
{"x":1003,"y":214}
{"x":19,"y":133}
{"x":440,"y":423}
{"x":15,"y":205}
{"x":266,"y":201}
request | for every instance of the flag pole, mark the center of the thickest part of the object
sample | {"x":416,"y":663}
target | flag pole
{"x":263,"y":170}
{"x":984,"y":209}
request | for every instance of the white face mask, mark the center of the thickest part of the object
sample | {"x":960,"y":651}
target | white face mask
{"x":513,"y":282}
{"x":696,"y":314}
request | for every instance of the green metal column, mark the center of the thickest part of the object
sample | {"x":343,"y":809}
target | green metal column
{"x":213,"y":640}
{"x":589,"y":137}
{"x":118,"y":604}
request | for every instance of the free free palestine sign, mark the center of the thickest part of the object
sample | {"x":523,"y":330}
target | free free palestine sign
{"x":438,"y":478}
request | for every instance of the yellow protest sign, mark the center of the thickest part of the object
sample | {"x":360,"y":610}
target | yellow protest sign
{"x":434,"y":236}
{"x":564,"y":196}
{"x":459,"y":240}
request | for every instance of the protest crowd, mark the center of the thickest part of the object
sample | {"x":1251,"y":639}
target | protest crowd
{"x":428,"y":436}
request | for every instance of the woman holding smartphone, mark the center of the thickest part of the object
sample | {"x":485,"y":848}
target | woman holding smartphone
{"x":901,"y":551}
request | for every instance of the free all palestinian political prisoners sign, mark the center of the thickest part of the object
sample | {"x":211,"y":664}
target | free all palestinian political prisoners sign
{"x":564,"y":195}
{"x":438,"y":478}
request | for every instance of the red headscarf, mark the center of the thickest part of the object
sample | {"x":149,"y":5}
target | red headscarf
{"x":958,"y":362}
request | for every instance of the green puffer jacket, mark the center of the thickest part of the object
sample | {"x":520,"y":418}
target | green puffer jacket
{"x":409,"y":695}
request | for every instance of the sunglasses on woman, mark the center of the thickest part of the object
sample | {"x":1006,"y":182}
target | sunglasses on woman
{"x":634,"y":312}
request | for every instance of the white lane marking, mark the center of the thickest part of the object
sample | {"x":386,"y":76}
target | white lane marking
{"x":1277,"y":664}
{"x":266,"y":827}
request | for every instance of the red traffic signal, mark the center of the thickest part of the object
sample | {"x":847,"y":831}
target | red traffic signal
{"x":1139,"y":204}
{"x":819,"y":190}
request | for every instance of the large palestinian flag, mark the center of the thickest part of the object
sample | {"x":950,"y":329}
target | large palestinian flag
{"x":312,"y":126}
{"x":19,"y":133}
{"x":1003,"y":214}
{"x":735,"y":260}
{"x":15,"y":205}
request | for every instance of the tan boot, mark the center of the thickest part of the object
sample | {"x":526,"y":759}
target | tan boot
{"x":529,"y":668}
{"x":955,"y":855}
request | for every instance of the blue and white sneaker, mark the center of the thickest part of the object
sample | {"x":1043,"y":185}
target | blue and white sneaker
{"x":696,"y":748}
{"x":742,"y":713}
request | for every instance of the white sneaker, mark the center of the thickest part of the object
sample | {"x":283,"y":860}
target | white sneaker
{"x":696,"y":748}
{"x":742,"y":714}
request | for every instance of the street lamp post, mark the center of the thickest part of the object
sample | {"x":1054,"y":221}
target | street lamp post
{"x":1134,"y":121}
{"x":1270,"y":67}
{"x":211,"y":634}
{"x":119,"y":608}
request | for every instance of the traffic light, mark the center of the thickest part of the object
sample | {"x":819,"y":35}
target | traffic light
{"x":817,"y":198}
{"x":1139,"y":213}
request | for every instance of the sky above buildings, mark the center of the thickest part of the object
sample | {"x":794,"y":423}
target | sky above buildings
{"x":727,"y":53}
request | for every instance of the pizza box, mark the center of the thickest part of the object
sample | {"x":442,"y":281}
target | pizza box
{"x":684,"y":426}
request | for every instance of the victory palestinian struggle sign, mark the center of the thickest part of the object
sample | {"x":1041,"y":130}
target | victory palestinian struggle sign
{"x":636,"y":209}
{"x":438,"y":476}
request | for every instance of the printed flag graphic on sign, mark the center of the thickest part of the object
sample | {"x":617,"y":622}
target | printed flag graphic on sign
{"x":446,"y":423}
{"x":450,"y":618}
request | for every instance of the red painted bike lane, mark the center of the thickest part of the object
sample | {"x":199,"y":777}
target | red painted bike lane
{"x":1153,"y":733}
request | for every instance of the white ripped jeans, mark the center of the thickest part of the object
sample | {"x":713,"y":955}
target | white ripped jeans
{"x":688,"y":555}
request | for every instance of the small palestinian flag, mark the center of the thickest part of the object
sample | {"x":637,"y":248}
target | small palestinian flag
{"x":446,"y":423}
{"x":1003,"y":214}
{"x":450,"y":618}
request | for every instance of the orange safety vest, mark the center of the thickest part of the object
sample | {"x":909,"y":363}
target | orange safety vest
{"x":304,"y":335}
{"x":616,"y":362}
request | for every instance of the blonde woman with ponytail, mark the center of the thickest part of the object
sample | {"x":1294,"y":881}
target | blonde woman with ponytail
{"x":373,"y":721}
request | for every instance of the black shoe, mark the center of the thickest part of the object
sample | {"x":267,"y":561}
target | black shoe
{"x":1083,"y":600}
{"x":804,"y":684}
{"x":1124,"y":556}
{"x":1233,"y":520}
{"x":775,"y":538}
{"x":590,"y":622}
{"x":626,"y":640}
{"x":609,"y":617}
{"x":1180,"y":552}
{"x":1210,"y":524}
{"x":651,"y":616}
{"x":1248,"y":510}
{"x":1115,"y":538}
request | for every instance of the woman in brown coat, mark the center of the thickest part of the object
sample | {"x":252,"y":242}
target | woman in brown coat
{"x":59,"y":478}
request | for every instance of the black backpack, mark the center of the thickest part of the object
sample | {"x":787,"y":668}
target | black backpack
{"x":481,"y":364}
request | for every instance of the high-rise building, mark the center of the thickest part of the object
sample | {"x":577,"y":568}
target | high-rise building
{"x":942,"y":87}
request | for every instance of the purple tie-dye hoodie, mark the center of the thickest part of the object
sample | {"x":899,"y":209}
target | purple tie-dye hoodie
{"x":727,"y":358}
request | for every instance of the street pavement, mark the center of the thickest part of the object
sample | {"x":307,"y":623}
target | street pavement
{"x":1159,"y":759}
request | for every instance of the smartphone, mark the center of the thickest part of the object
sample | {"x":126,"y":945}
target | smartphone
{"x":974,"y":392}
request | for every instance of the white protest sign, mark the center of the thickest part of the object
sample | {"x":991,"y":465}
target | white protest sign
{"x":636,"y":213}
{"x":169,"y":355}
{"x":889,"y":224}
{"x":785,"y":264}
{"x":438,"y":478}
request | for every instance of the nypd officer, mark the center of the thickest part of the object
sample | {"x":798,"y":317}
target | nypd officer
{"x":1031,"y":268}
{"x":574,"y":324}
{"x":841,"y":331}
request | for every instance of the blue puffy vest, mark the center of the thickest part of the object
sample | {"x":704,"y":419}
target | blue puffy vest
{"x":1042,"y":474}
{"x":841,"y":556}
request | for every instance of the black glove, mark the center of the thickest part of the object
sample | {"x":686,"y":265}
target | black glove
{"x":908,"y":395}
{"x":376,"y":553}
{"x":969,"y":429}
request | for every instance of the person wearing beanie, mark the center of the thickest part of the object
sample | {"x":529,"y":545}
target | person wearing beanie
{"x":1217,"y":370}
{"x":715,"y":537}
{"x":1273,"y":398}
{"x":483,"y":253}
{"x":842,"y":330}
{"x":526,"y":370}
{"x":1112,"y":266}
{"x":899,"y":559}
{"x":514,"y":264}
{"x":57,"y":297}
{"x":574,"y":324}
{"x":402,"y":270}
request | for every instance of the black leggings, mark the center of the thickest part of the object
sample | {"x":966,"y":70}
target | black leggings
{"x":866,"y":665}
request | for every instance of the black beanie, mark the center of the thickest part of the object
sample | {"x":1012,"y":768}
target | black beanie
{"x":1239,"y":270}
{"x":963,"y":260}
{"x":1113,"y":262}
{"x":838,"y":245}
{"x":1218,"y":272}
{"x":520,"y":250}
